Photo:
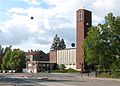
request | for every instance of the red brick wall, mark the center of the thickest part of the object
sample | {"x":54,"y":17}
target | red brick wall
{"x":53,"y":56}
{"x":81,"y":33}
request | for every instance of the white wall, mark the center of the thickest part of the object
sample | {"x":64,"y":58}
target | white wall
{"x":67,"y":57}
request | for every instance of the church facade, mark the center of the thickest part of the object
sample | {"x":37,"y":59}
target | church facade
{"x":74,"y":57}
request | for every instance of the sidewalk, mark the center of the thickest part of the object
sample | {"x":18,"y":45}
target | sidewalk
{"x":55,"y":84}
{"x":91,"y":76}
{"x":97,"y":78}
{"x":6,"y":84}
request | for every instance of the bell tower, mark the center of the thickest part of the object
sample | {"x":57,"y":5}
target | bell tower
{"x":83,"y":22}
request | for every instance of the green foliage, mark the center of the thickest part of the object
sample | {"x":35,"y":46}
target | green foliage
{"x":17,"y":61}
{"x":6,"y":58}
{"x":1,"y":51}
{"x":13,"y":59}
{"x":58,"y":44}
{"x":70,"y":70}
{"x":62,"y":44}
{"x":1,"y":54}
{"x":115,"y":75}
{"x":108,"y":75}
{"x":59,"y":71}
{"x":90,"y":46}
{"x":104,"y":75}
{"x":62,"y":67}
{"x":102,"y":45}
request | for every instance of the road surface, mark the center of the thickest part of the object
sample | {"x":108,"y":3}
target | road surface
{"x":55,"y":80}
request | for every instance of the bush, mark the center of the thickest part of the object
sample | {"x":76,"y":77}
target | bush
{"x":70,"y":70}
{"x":59,"y":71}
{"x":55,"y":71}
{"x":104,"y":75}
{"x":62,"y":67}
{"x":115,"y":75}
{"x":108,"y":75}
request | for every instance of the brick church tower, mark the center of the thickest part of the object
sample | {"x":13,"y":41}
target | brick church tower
{"x":83,"y":22}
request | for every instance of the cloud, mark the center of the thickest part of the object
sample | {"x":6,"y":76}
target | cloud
{"x":101,"y":7}
{"x":106,"y":4}
{"x":14,"y":35}
{"x":59,"y":18}
{"x":35,"y":2}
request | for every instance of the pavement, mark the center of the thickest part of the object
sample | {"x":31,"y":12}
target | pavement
{"x":55,"y":80}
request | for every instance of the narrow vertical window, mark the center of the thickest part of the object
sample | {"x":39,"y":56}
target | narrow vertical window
{"x":81,"y":15}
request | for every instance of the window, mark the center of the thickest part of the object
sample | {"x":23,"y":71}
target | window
{"x":80,"y":16}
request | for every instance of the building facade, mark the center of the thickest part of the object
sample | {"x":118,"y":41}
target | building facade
{"x":83,"y":22}
{"x":74,"y":58}
{"x":65,"y":56}
{"x":37,"y":61}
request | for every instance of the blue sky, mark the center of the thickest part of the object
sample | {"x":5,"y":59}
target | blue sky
{"x":50,"y":17}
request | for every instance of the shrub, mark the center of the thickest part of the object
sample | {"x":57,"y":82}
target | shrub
{"x":104,"y":75}
{"x":59,"y":71}
{"x":70,"y":70}
{"x":62,"y":67}
{"x":115,"y":75}
{"x":108,"y":75}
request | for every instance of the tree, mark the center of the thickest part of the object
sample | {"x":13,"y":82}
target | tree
{"x":17,"y":61}
{"x":13,"y":59}
{"x":62,"y":44}
{"x":1,"y":51}
{"x":58,"y":44}
{"x":90,"y":46}
{"x":102,"y":45}
{"x":55,"y":44}
{"x":6,"y":58}
{"x":1,"y":54}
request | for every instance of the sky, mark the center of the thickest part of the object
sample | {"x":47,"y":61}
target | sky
{"x":51,"y":17}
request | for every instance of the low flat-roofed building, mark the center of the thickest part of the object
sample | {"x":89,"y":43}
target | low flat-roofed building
{"x":65,"y":56}
{"x":37,"y":61}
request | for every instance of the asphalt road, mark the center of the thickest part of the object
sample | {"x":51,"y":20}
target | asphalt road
{"x":55,"y":80}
